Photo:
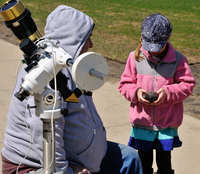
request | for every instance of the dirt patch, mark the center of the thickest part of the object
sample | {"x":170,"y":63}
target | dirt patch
{"x":191,"y":105}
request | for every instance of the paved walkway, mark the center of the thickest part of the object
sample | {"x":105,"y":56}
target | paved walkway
{"x":113,"y":109}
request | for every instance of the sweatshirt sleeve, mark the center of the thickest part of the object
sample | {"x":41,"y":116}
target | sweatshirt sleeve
{"x":184,"y":83}
{"x":61,"y":161}
{"x":128,"y":82}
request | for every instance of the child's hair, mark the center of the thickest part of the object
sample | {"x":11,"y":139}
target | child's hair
{"x":137,"y":54}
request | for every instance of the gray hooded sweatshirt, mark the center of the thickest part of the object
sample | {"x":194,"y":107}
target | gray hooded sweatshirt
{"x":80,"y":135}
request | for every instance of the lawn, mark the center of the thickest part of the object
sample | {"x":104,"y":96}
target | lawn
{"x":117,"y":29}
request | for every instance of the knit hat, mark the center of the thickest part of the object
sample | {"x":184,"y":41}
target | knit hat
{"x":156,"y":30}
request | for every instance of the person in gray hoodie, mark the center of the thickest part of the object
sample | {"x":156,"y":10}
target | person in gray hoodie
{"x":81,"y":145}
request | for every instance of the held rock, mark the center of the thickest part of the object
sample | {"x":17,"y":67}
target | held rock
{"x":151,"y":96}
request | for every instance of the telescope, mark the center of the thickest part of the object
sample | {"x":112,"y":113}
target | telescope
{"x":19,"y":20}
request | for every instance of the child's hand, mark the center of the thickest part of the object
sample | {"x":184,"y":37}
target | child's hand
{"x":162,"y":95}
{"x":141,"y":99}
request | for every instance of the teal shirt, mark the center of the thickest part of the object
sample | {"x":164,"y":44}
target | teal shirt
{"x":151,"y":135}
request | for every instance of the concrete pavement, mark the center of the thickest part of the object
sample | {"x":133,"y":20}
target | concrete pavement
{"x":113,"y":109}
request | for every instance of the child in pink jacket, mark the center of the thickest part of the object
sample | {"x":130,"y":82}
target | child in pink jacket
{"x":156,"y":80}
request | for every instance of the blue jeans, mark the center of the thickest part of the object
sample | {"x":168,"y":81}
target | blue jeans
{"x":120,"y":159}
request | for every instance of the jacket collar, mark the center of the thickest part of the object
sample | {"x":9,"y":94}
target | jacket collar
{"x":168,"y":58}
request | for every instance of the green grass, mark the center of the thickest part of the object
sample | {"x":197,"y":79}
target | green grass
{"x":118,"y":22}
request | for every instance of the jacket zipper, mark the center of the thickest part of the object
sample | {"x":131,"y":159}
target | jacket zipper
{"x":154,"y":107}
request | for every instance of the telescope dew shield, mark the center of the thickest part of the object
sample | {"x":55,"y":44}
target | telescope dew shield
{"x":19,"y":20}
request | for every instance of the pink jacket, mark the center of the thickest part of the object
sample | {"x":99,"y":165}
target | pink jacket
{"x":172,"y":73}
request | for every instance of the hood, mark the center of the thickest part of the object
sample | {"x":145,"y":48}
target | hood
{"x":69,"y":27}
